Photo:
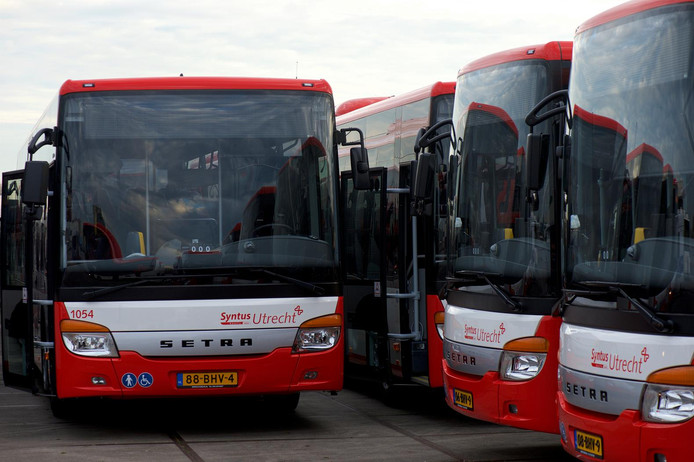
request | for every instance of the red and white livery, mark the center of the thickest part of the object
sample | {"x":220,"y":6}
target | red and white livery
{"x":626,"y":370}
{"x":175,"y":237}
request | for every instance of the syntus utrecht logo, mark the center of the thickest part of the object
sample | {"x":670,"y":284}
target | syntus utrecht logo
{"x":612,"y":361}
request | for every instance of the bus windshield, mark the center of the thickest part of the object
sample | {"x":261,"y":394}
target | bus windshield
{"x":180,"y":182}
{"x":632,"y":156}
{"x":497,"y":233}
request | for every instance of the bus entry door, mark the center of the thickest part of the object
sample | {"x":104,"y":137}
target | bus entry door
{"x":364,"y":213}
{"x":17,"y":335}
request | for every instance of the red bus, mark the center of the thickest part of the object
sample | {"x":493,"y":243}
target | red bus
{"x":394,"y":260}
{"x":136,"y":262}
{"x":626,"y":360}
{"x":501,"y":329}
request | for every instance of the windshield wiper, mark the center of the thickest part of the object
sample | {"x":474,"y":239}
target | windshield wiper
{"x":241,"y":270}
{"x":107,"y":290}
{"x":664,"y":326}
{"x":505,"y":296}
{"x":297,"y":282}
{"x":152,"y":280}
{"x":115,"y":267}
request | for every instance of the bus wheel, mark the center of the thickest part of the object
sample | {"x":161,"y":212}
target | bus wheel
{"x":62,"y":408}
{"x":387,"y":391}
{"x":283,"y":403}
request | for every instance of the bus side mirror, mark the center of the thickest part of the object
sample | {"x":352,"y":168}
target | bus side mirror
{"x":452,"y":176}
{"x":536,"y":155}
{"x":35,"y":183}
{"x":359,"y":158}
{"x":423,"y":185}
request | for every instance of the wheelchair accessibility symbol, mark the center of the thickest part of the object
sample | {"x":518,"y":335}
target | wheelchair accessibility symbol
{"x":129,"y":380}
{"x":145,"y":380}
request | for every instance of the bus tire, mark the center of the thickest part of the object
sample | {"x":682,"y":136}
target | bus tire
{"x":387,"y":391}
{"x":62,"y":408}
{"x":285,"y":404}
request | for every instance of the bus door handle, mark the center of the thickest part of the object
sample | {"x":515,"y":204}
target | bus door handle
{"x":414,"y":295}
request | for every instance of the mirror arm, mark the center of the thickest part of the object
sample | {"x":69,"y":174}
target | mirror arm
{"x":50,"y":138}
{"x":343,"y":137}
{"x":533,"y":119}
{"x":423,"y":141}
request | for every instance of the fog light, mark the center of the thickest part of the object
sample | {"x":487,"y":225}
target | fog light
{"x":311,"y":375}
{"x":513,"y":409}
{"x":98,"y":381}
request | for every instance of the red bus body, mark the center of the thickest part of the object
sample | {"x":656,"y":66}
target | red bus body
{"x":480,"y":329}
{"x":189,"y":248}
{"x":626,"y":359}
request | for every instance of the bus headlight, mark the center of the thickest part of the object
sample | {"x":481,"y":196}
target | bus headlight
{"x":671,"y":399}
{"x":521,"y":366}
{"x":665,"y":403}
{"x":88,"y":339}
{"x":523,"y":358}
{"x":318,"y":334}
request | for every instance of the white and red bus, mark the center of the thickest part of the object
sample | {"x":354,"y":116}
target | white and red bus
{"x":501,"y":329}
{"x":626,"y":363}
{"x":394,"y":258}
{"x":175,"y":237}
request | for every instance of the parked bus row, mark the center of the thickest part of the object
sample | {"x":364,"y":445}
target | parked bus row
{"x":587,"y":280}
{"x":568,"y":237}
{"x":519,"y":237}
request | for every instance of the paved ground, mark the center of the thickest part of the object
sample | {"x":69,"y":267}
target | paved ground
{"x":352,"y":426}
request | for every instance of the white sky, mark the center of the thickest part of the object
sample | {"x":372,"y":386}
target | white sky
{"x":361,"y":47}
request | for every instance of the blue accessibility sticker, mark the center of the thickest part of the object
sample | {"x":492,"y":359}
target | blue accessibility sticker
{"x":129,"y":380}
{"x":145,"y":380}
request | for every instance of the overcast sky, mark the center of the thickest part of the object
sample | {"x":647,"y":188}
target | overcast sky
{"x":361,"y":47}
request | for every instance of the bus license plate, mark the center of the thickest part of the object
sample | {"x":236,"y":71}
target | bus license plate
{"x":463,"y":399}
{"x":589,"y":444}
{"x":207,"y":379}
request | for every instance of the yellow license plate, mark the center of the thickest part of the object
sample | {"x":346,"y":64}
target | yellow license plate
{"x":207,"y":379}
{"x":589,"y":444}
{"x":463,"y":399}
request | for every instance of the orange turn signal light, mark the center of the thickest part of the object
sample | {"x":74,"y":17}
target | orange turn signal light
{"x":331,"y":320}
{"x":680,"y":375}
{"x":72,"y":325}
{"x":529,"y":344}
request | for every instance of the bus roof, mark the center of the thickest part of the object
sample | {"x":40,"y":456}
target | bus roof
{"x":625,"y":9}
{"x":194,"y":83}
{"x":430,"y":91}
{"x":551,"y":51}
{"x":356,"y":103}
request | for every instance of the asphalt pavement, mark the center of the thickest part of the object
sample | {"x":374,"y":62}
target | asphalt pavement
{"x":354,"y":425}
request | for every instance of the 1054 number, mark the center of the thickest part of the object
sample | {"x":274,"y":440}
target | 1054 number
{"x":82,"y":314}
